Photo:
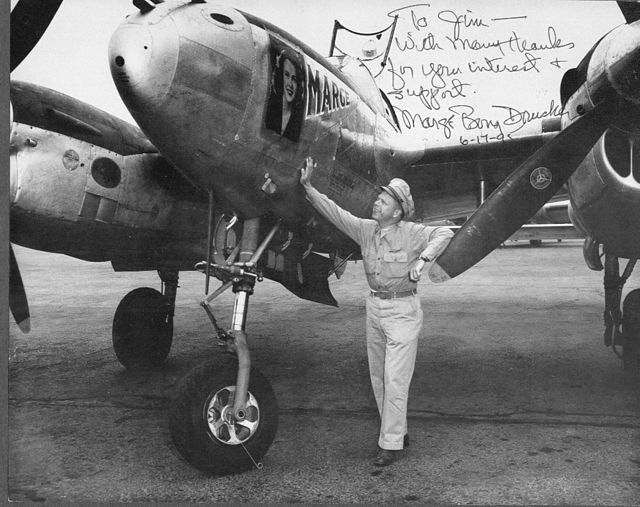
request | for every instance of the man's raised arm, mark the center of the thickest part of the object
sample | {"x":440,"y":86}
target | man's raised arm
{"x":342,"y":219}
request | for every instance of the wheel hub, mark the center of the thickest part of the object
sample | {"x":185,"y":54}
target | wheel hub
{"x":221,"y":422}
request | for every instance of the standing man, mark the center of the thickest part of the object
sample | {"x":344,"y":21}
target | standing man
{"x":394,"y":252}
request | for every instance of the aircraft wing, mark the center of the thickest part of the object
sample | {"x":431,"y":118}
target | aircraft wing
{"x":534,"y":232}
{"x":449,"y":183}
{"x":508,"y":148}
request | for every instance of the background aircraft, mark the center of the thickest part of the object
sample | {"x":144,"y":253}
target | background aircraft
{"x":215,"y":176}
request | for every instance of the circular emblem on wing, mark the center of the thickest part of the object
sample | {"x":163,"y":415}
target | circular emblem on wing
{"x":540,"y":178}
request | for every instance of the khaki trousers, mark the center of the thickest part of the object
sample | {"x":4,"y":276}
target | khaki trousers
{"x":393,"y":327}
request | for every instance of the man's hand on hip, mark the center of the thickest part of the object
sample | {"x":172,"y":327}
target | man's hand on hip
{"x":416,"y":270}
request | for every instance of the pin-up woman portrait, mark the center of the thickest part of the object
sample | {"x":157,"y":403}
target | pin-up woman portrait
{"x":286,"y":100}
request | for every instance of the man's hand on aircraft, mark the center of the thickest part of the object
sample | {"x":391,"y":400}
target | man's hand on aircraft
{"x":416,"y":270}
{"x":306,"y":171}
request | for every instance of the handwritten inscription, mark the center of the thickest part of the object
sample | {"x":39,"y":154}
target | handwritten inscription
{"x":465,"y":70}
{"x":519,"y":119}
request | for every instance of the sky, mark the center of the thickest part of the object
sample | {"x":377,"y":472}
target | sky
{"x":456,"y":70}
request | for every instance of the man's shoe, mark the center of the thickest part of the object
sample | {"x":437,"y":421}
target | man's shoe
{"x":385,"y":458}
{"x":405,"y":442}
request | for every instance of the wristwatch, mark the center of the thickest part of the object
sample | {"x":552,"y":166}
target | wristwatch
{"x":425,"y":259}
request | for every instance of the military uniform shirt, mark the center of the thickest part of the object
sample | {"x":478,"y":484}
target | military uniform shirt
{"x":388,"y":253}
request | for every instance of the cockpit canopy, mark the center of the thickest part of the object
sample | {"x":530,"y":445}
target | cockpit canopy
{"x":367,"y":86}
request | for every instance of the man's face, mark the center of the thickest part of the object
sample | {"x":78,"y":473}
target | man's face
{"x":290,"y":80}
{"x":386,"y":209}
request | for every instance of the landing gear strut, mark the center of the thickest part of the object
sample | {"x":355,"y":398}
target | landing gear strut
{"x":622,"y":327}
{"x":225,"y":415}
{"x":142,"y":329}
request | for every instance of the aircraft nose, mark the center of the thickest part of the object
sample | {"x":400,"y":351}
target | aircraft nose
{"x":143,"y":60}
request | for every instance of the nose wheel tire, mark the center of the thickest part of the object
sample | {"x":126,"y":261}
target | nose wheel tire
{"x":631,"y":332}
{"x":202,"y":425}
{"x":142,"y":329}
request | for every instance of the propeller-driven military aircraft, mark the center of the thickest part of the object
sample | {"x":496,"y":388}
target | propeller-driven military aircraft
{"x":228,"y":107}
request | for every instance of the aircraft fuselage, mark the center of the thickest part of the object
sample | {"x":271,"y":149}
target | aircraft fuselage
{"x":205,"y":83}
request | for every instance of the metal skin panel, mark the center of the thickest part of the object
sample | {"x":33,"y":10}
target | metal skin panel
{"x":43,"y":184}
{"x":354,"y":181}
{"x":221,"y":77}
{"x":383,"y":151}
{"x":606,"y":205}
{"x":210,"y":24}
{"x":146,"y":203}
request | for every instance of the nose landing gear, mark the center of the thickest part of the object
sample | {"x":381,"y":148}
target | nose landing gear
{"x":225,"y":415}
{"x":203,"y":425}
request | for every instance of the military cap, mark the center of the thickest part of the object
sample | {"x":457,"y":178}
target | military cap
{"x":400,"y":191}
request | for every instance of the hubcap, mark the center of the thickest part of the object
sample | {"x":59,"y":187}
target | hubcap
{"x":221,"y":421}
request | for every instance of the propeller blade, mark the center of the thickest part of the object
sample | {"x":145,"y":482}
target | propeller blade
{"x":29,"y":20}
{"x":17,"y":296}
{"x":521,"y":195}
{"x":630,"y":10}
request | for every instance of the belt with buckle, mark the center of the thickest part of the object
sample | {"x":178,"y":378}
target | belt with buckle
{"x":385,"y":294}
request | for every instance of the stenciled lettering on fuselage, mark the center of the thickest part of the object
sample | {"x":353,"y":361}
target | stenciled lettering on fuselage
{"x":325,"y":92}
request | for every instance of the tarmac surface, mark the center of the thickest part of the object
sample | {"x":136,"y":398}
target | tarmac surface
{"x":515,"y":399}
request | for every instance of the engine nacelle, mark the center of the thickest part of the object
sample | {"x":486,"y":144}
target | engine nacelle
{"x":73,"y":197}
{"x":609,"y":73}
{"x":605,"y":190}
